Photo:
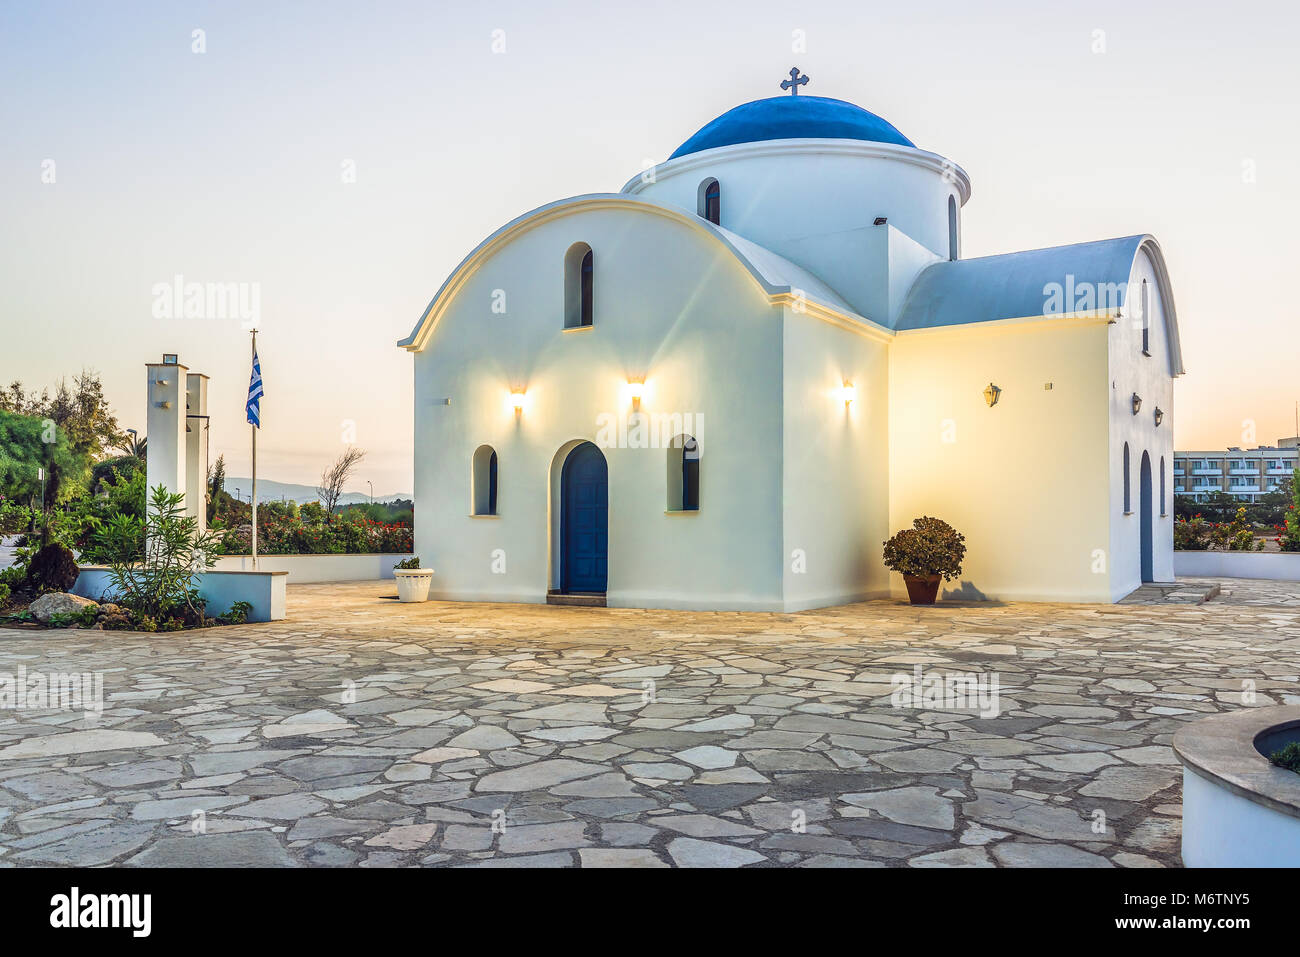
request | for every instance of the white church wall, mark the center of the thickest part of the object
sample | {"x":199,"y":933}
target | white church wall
{"x":886,"y":261}
{"x":1020,"y":480}
{"x":1150,"y":377}
{"x":782,"y":194}
{"x":836,"y":464}
{"x":907,"y":258}
{"x":672,"y":306}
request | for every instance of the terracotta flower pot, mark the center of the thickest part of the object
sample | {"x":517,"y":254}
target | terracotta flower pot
{"x":922,"y":589}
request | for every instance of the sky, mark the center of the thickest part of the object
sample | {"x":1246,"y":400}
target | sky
{"x":338,"y":160}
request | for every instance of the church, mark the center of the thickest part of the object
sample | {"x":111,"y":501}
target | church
{"x":724,"y":386}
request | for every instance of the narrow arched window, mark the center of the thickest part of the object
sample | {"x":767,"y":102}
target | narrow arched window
{"x":710,"y":201}
{"x":579,"y":270}
{"x":952,"y":228}
{"x":485,"y":480}
{"x":1127,"y":498}
{"x":683,"y":474}
{"x":1146,"y":319}
{"x":1162,"y":486}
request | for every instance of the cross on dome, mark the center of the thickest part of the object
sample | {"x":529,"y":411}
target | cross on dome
{"x":794,"y":82}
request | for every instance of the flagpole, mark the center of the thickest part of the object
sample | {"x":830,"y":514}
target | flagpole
{"x":254,"y":430}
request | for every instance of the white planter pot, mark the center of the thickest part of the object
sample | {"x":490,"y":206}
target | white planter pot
{"x":413,"y":583}
{"x":1238,"y":809}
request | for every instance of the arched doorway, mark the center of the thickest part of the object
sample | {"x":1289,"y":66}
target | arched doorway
{"x":584,"y":520}
{"x":1146,"y":517}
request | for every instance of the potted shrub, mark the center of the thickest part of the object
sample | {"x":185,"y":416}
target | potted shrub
{"x":928,"y":552}
{"x":412,"y":581}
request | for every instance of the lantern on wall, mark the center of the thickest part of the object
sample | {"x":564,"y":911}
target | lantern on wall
{"x":1137,"y":403}
{"x":991,"y":395}
{"x":1160,"y":416}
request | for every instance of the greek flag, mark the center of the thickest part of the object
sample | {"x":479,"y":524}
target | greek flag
{"x":255,"y":394}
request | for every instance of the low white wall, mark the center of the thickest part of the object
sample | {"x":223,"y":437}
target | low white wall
{"x":1223,"y":829}
{"x":263,"y":589}
{"x":1276,"y":566}
{"x":318,"y":568}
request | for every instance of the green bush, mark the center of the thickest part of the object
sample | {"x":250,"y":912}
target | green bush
{"x":14,"y":516}
{"x":412,"y":562}
{"x":1289,"y":540}
{"x":930,"y":547}
{"x":238,"y":613}
{"x":1192,"y":535}
{"x":1288,"y":757}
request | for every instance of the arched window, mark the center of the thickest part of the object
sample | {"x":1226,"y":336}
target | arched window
{"x":485,"y":480}
{"x":683,"y":474}
{"x":952,"y":228}
{"x":1146,"y":319}
{"x":579,"y":268}
{"x":709,"y":201}
{"x":1127,"y":498}
{"x":1162,"y":486}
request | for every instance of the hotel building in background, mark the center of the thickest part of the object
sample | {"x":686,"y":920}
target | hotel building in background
{"x":1245,"y":473}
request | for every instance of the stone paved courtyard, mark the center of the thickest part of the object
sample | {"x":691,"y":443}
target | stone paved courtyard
{"x":366,"y":732}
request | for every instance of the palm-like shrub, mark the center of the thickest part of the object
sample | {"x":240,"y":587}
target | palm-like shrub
{"x":153,"y":563}
{"x":930,"y":547}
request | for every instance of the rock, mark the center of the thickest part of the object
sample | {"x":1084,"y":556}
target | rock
{"x":1020,"y":854}
{"x":918,"y":806}
{"x":80,"y":742}
{"x":541,"y":774}
{"x":245,"y":850}
{"x":689,"y":852}
{"x":1130,"y":784}
{"x":534,"y":838}
{"x":484,"y":737}
{"x":957,"y":857}
{"x":405,"y":837}
{"x":93,"y":848}
{"x":619,"y":857}
{"x":59,"y":603}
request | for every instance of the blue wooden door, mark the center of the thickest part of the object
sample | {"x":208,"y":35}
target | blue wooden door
{"x":584,"y":520}
{"x":1147,"y":518}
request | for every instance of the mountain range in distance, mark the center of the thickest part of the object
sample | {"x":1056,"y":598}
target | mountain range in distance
{"x":269,"y":490}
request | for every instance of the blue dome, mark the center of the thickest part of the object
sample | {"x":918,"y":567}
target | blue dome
{"x":793,"y":117}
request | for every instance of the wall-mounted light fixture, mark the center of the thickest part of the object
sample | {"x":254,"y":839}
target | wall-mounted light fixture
{"x":848,"y":392}
{"x":992,"y":394}
{"x":1137,"y":403}
{"x":1160,"y":416}
{"x":517,"y":400}
{"x":636,"y":390}
{"x":880,"y":221}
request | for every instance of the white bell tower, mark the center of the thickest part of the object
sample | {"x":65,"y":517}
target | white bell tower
{"x":177,"y":430}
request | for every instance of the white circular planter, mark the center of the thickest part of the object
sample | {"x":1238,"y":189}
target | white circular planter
{"x":1239,"y":810}
{"x":413,"y":583}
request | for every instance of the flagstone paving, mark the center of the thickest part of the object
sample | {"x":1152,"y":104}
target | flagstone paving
{"x":365,"y":732}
